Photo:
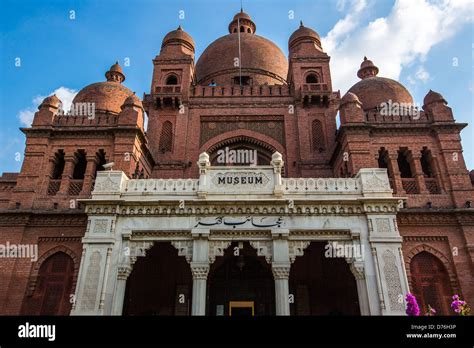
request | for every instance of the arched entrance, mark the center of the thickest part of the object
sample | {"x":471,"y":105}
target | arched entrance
{"x":240,"y":282}
{"x":160,"y":283}
{"x":430,"y":282}
{"x":54,"y":287}
{"x":321,"y":285}
{"x":244,"y":149}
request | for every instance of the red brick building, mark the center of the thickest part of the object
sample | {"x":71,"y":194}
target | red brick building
{"x":248,"y":98}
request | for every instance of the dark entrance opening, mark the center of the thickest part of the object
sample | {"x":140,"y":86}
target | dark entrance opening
{"x":160,"y":283}
{"x":321,"y":285}
{"x":240,"y":277}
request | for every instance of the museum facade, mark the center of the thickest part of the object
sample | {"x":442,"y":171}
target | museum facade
{"x":231,"y":189}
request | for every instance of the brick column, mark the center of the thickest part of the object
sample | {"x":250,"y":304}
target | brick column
{"x":418,"y":172}
{"x":89,"y":175}
{"x":397,"y":180}
{"x":67,"y":174}
{"x":47,"y":176}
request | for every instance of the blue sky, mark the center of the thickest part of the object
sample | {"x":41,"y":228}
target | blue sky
{"x":426,"y":44}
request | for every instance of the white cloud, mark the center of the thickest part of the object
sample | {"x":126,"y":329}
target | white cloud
{"x":394,"y":42}
{"x":66,"y":95}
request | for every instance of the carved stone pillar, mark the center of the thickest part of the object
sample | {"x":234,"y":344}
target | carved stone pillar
{"x":123,"y":273}
{"x":358,"y":270}
{"x":200,"y":270}
{"x":281,"y":273}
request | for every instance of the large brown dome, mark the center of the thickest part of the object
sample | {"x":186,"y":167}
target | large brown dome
{"x":108,"y":95}
{"x":372,"y":91}
{"x":261,"y":59}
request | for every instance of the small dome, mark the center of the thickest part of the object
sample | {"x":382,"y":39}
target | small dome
{"x":179,"y":36}
{"x":367,"y":69}
{"x":245,"y":22}
{"x":350,"y":98}
{"x":132,"y":100}
{"x":304,"y":34}
{"x":115,"y":73}
{"x":241,"y":15}
{"x":52,"y":100}
{"x":107,"y":96}
{"x":373,"y":91}
{"x":433,"y":97}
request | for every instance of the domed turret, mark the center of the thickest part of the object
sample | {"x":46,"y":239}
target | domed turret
{"x":178,"y":37}
{"x":245,"y":22}
{"x":107,"y":96}
{"x":115,"y":73}
{"x":373,"y":91}
{"x":433,"y":97}
{"x":132,"y":100}
{"x":350,"y":98}
{"x":304,"y":35}
{"x":51,"y":101}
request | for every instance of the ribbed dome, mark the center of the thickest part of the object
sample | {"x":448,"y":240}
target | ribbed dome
{"x":372,"y":91}
{"x":52,"y":100}
{"x":260,"y":57}
{"x":107,"y":96}
{"x":179,"y":36}
{"x":350,"y":98}
{"x":433,"y":97}
{"x":132,"y":100}
{"x":303,"y":34}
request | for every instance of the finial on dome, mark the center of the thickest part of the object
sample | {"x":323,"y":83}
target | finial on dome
{"x":115,"y":73}
{"x":242,"y":22}
{"x":180,"y":27}
{"x":367,"y":69}
{"x":301,"y":24}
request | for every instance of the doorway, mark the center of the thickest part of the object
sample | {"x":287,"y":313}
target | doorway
{"x":240,"y":283}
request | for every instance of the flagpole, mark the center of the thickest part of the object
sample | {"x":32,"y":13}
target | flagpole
{"x":240,"y":54}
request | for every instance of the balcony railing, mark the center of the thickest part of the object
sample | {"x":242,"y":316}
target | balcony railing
{"x":53,"y":186}
{"x":316,"y":87}
{"x":75,"y":187}
{"x":409,"y":185}
{"x":432,"y":186}
{"x":168,"y":89}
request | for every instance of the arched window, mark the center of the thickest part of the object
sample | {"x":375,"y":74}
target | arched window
{"x":426,"y":163}
{"x":318,"y":136}
{"x":54,"y":286}
{"x":404,"y":164}
{"x":172,"y":80}
{"x":242,"y":29}
{"x":249,"y":31}
{"x":58,"y":165}
{"x":312,"y":78}
{"x":383,"y":161}
{"x":80,"y":167}
{"x":100,"y":161}
{"x":166,"y":137}
{"x":430,"y":282}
